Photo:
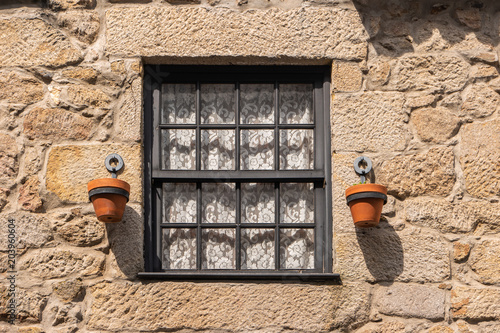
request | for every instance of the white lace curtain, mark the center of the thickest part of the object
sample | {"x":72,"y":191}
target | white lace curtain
{"x":257,"y":152}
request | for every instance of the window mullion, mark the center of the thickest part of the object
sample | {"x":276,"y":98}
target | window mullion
{"x":276,"y":185}
{"x":198,"y":228}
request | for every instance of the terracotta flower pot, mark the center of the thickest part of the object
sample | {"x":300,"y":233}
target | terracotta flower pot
{"x":109,"y":197}
{"x":366,"y":201}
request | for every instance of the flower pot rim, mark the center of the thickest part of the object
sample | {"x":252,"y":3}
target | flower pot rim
{"x":108,"y":182}
{"x":359,"y":188}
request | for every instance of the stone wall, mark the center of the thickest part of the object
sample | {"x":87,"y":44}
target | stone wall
{"x":415,"y":86}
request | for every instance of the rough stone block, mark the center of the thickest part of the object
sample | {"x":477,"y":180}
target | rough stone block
{"x":411,"y":301}
{"x":19,"y":88}
{"x":485,"y":261}
{"x":430,"y":72}
{"x":4,"y":193}
{"x":82,"y":24}
{"x":130,"y":116}
{"x":28,"y":42}
{"x":479,"y":158}
{"x":9,"y":165}
{"x":79,"y":230}
{"x":460,"y":216}
{"x":475,"y":304}
{"x":32,"y":230}
{"x":460,"y":251}
{"x":29,"y":195}
{"x":378,"y":74}
{"x":302,"y":33}
{"x":480,"y":101}
{"x":426,"y":173}
{"x":70,"y":168}
{"x":435,"y":124}
{"x":483,"y":71}
{"x":57,"y":263}
{"x":71,"y":4}
{"x":68,"y":290}
{"x":126,"y":235}
{"x":29,"y":304}
{"x":346,"y":76}
{"x":386,"y":255}
{"x":87,"y":96}
{"x":369,"y":121}
{"x":212,"y":306}
{"x":86,"y":74}
{"x":56,"y":124}
{"x":470,"y":17}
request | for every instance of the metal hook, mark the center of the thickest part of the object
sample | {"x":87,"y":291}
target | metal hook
{"x":118,"y":167}
{"x":362,"y":172}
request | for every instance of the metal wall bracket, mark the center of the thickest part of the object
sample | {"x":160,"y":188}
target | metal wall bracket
{"x":362,"y":172}
{"x":116,"y":159}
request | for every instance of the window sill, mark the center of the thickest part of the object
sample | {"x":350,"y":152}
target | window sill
{"x":232,"y":276}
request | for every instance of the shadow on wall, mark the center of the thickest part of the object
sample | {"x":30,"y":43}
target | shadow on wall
{"x":382,"y":251}
{"x":126,"y":243}
{"x":4,"y":4}
{"x":398,"y":27}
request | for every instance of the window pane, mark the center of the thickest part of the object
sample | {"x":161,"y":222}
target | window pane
{"x":179,"y":249}
{"x":297,"y":203}
{"x":218,"y":249}
{"x":217,"y":103}
{"x":257,"y":203}
{"x":218,"y":203}
{"x":296,"y":103}
{"x":179,"y":203}
{"x":178,"y":149}
{"x":257,"y":248}
{"x":178,"y":104}
{"x":296,"y":248}
{"x":296,"y":149}
{"x":217,"y":150}
{"x":257,"y":103}
{"x":257,"y":150}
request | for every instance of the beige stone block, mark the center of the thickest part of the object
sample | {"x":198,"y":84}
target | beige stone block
{"x":470,"y":17}
{"x":124,"y":236}
{"x":475,"y":304}
{"x":378,"y":74}
{"x":56,"y":124}
{"x":412,"y":301}
{"x":86,"y":74}
{"x":479,"y":158}
{"x":58,"y":263}
{"x":435,"y":124}
{"x":19,"y":88}
{"x":346,"y":76}
{"x":70,"y":4}
{"x":130,"y":114}
{"x":460,"y":251}
{"x":8,"y":157}
{"x":442,"y":35}
{"x":68,"y":290}
{"x":419,"y":100}
{"x":29,"y":304}
{"x":369,"y":122}
{"x":446,"y":73}
{"x":213,"y":306}
{"x":382,"y":254}
{"x":441,"y":329}
{"x":314,"y":33}
{"x":489,"y":57}
{"x":70,"y":168}
{"x":480,"y":101}
{"x":29,"y":195}
{"x":384,"y":327}
{"x":485,"y":261}
{"x":28,"y":42}
{"x":82,"y":24}
{"x":483,"y":71}
{"x":78,"y":230}
{"x":460,"y":216}
{"x":426,"y":173}
{"x":87,"y":96}
{"x":31,"y":329}
{"x":32,"y":231}
{"x":489,"y":327}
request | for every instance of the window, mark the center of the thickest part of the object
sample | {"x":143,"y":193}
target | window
{"x":237,"y":164}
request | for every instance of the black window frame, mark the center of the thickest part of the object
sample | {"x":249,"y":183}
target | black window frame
{"x":154,"y":77}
